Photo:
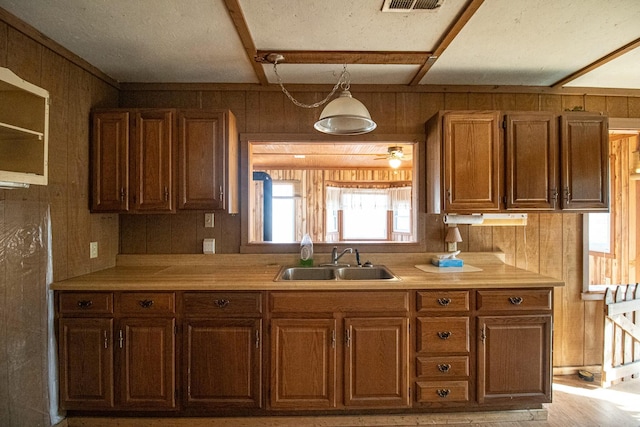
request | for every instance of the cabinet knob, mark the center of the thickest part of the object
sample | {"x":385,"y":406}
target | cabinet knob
{"x":516,"y":300}
{"x":444,"y":335}
{"x":221,"y":303}
{"x":443,"y":392}
{"x":166,"y":194}
{"x":221,"y":196}
{"x":444,"y":301}
{"x":146,"y":303}
{"x":122,"y":194}
{"x":444,"y":367}
{"x":85,"y":303}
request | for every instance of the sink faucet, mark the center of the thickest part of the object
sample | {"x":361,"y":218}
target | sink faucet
{"x":334,"y":254}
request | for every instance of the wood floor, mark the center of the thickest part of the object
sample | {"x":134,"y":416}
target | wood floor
{"x":575,"y":403}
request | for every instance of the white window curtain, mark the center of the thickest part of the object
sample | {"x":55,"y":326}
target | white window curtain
{"x":400,"y":198}
{"x":395,"y":198}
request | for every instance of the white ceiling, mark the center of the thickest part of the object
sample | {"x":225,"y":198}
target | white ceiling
{"x":504,"y":42}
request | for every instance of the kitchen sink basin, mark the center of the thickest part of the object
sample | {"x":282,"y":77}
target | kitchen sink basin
{"x":379,"y":272}
{"x":365,"y":273}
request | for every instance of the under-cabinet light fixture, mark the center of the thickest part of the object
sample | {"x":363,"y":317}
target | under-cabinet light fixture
{"x":494,"y":220}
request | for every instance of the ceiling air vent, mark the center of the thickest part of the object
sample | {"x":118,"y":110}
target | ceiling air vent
{"x":410,"y":5}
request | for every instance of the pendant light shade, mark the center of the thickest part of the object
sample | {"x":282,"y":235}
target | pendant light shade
{"x":345,"y":115}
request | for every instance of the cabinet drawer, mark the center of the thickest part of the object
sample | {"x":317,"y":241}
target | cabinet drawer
{"x":339,"y":301}
{"x":442,"y":391}
{"x":222,"y":303}
{"x":85,"y":302}
{"x":146,"y":302}
{"x":442,"y":366}
{"x":442,"y":301}
{"x":443,"y":334}
{"x":515,"y":300}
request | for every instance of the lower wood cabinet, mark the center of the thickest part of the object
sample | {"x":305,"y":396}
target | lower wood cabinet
{"x":205,"y":352}
{"x":117,"y":356}
{"x":514,"y":359}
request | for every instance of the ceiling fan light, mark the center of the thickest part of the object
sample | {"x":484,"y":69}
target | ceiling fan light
{"x":395,"y":163}
{"x":345,"y":115}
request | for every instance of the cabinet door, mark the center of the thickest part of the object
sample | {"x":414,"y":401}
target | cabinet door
{"x":202,"y":160}
{"x":110,"y":161}
{"x":146,"y":361}
{"x":514,"y":359}
{"x":86,"y":363}
{"x":222,"y":360}
{"x":472,"y":169}
{"x":585,"y":162}
{"x":376,"y":362}
{"x":152,"y":165}
{"x":532,"y":161}
{"x":303,"y":364}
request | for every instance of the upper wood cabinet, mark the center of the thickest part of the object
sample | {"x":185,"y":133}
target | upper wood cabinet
{"x":473,"y":166}
{"x":585,"y":162}
{"x":133,"y":155}
{"x":24,"y":132}
{"x":208,"y":160}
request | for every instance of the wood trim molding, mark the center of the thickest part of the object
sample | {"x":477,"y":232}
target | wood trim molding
{"x":235,"y":12}
{"x":600,"y":62}
{"x":451,"y":33}
{"x":343,"y":57}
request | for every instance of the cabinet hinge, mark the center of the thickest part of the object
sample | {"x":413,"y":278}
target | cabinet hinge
{"x":504,"y":124}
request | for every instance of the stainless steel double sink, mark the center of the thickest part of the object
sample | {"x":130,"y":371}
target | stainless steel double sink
{"x":378,"y":272}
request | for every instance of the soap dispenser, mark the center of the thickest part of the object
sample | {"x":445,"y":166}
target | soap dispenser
{"x":306,"y":251}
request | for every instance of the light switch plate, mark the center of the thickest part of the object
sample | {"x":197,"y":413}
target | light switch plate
{"x":93,"y":250}
{"x":208,"y":220}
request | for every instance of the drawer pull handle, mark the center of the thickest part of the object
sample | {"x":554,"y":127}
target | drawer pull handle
{"x":444,"y":367}
{"x":146,"y":303}
{"x":444,"y":335}
{"x":443,"y":392}
{"x":444,"y":301}
{"x":516,"y":300}
{"x":221,"y":303}
{"x":85,"y":303}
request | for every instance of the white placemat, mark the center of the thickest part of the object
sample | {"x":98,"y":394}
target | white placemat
{"x":430,"y":268}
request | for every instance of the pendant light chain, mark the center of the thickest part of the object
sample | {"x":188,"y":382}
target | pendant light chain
{"x":343,"y":82}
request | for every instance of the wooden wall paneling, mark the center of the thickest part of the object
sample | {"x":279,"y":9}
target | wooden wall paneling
{"x":3,"y":44}
{"x":208,"y":233}
{"x":430,"y":104}
{"x":504,"y":240}
{"x":298,"y":119}
{"x":528,"y":102}
{"x":252,"y":124}
{"x":456,"y":101}
{"x":159,"y":233}
{"x":552,"y":103}
{"x":434,"y":232}
{"x":481,"y":101}
{"x":594,"y":332}
{"x":572,"y":305}
{"x":408,"y":113}
{"x":4,"y":339}
{"x":595,"y":103}
{"x":570,"y":102}
{"x":133,"y":234}
{"x":183,"y":233}
{"x":528,"y":244}
{"x":272,"y":112}
{"x":228,"y":100}
{"x":24,"y":56}
{"x":633,"y":105}
{"x":160,"y":99}
{"x":79,"y":221}
{"x":480,"y":239}
{"x":382,"y":107}
{"x":55,"y":76}
{"x":504,"y":101}
{"x":103,"y":228}
{"x":617,"y":106}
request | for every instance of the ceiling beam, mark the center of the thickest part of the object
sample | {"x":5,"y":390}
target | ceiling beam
{"x":235,"y":12}
{"x":600,"y":62}
{"x":343,"y":57}
{"x":451,"y":33}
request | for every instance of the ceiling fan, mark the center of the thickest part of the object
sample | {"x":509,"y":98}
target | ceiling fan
{"x":394,"y":155}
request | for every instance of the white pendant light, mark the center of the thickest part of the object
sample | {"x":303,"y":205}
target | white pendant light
{"x":345,"y":115}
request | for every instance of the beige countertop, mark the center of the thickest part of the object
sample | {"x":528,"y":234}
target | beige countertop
{"x":243,"y":272}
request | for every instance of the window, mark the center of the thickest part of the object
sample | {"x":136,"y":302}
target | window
{"x":284,"y":212}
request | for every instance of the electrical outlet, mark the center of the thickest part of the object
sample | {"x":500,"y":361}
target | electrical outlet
{"x":208,"y":220}
{"x":93,"y":250}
